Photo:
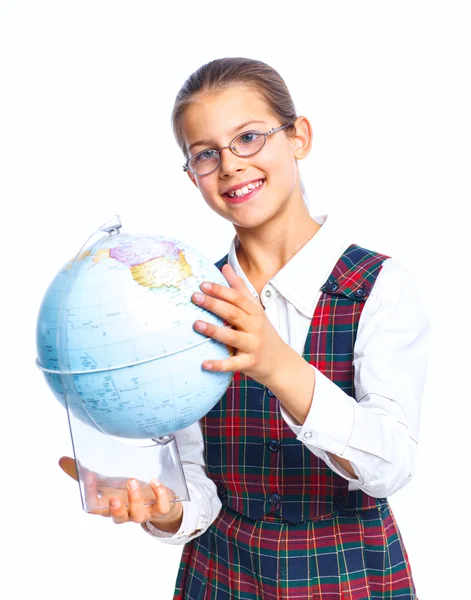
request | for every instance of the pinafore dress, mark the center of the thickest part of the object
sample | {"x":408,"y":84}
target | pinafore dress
{"x":289,"y":528}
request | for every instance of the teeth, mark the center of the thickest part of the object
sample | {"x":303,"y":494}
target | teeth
{"x":245,"y":190}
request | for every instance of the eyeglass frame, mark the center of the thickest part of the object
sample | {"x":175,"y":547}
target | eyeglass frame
{"x":186,"y":166}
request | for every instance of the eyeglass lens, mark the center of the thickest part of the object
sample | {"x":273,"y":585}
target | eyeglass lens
{"x":245,"y":144}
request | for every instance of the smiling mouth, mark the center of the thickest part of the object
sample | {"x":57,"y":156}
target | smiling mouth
{"x":246,"y":189}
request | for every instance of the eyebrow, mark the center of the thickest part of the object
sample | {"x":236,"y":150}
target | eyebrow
{"x":206,"y":143}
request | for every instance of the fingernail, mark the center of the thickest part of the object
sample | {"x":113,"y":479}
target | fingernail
{"x":206,"y":286}
{"x":155,"y":482}
{"x":133,"y":484}
{"x":115,"y":503}
{"x":200,"y":326}
{"x":197,"y":297}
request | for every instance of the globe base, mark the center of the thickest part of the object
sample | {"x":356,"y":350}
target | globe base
{"x":105,"y":464}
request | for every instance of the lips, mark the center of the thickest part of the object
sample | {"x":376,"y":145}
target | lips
{"x":241,"y":185}
{"x":240,"y":194}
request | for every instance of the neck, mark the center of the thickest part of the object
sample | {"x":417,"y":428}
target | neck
{"x":263,"y":251}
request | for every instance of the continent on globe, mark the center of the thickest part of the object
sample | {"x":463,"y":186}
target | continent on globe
{"x":162,"y":271}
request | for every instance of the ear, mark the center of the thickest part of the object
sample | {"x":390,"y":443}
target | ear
{"x":192,"y":177}
{"x":302,"y":140}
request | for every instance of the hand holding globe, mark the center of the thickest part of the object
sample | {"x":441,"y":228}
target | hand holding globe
{"x":258,"y":351}
{"x":127,"y":499}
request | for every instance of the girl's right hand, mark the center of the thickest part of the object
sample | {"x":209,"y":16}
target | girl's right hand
{"x":127,"y":499}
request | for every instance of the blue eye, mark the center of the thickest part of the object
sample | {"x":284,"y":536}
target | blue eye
{"x":249,"y":137}
{"x":204,"y":155}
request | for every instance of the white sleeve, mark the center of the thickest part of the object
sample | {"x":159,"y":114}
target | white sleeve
{"x":378,"y":434}
{"x":204,"y":504}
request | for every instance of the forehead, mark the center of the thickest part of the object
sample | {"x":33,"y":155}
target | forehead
{"x":211,"y":116}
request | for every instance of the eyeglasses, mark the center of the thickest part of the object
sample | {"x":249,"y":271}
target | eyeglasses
{"x":245,"y":144}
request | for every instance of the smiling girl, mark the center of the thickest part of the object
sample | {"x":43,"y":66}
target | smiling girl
{"x":290,"y":472}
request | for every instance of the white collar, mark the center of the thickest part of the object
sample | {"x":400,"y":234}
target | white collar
{"x":300,"y":280}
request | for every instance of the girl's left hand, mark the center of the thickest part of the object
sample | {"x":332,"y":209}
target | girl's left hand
{"x":259,"y":348}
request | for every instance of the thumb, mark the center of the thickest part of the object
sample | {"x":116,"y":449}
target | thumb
{"x":67,"y":464}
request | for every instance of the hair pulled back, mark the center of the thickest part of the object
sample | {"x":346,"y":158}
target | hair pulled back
{"x":220,"y":74}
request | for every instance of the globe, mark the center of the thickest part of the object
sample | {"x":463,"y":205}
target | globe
{"x":115,"y":336}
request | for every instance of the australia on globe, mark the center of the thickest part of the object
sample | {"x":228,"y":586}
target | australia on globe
{"x":115,"y":337}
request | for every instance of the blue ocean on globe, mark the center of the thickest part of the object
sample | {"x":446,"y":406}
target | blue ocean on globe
{"x":115,"y":337}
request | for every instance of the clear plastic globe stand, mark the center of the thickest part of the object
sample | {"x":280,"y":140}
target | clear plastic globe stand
{"x":106,"y":462}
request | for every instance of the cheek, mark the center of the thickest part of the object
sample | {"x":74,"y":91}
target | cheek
{"x":277,"y":158}
{"x":283,"y":168}
{"x":205,"y":185}
{"x":210,"y":194}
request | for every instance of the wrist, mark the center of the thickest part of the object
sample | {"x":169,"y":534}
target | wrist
{"x":281,"y":374}
{"x":294,"y":385}
{"x":170,"y":522}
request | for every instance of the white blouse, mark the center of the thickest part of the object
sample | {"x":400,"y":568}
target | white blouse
{"x":377,"y":432}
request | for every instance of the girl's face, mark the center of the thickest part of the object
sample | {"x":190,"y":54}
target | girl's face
{"x":212,"y":121}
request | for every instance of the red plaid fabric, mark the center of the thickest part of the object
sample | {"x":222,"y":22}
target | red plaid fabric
{"x":289,"y":527}
{"x":251,"y":453}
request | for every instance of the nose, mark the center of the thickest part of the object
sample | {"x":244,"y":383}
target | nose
{"x":230,"y":162}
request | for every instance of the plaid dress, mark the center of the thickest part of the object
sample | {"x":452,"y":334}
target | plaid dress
{"x":289,"y":528}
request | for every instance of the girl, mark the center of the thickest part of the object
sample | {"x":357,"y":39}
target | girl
{"x":290,"y":472}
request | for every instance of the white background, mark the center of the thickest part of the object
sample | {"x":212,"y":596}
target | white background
{"x":86,"y":91}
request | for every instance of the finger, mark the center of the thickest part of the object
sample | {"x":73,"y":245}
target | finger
{"x":240,"y":362}
{"x":162,"y":499}
{"x":67,"y":464}
{"x":87,"y":479}
{"x":239,"y":294}
{"x":137,"y":509}
{"x":118,"y":511}
{"x":229,"y":312}
{"x":101,"y":496}
{"x":237,"y":297}
{"x":236,"y":282}
{"x":231,"y":337}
